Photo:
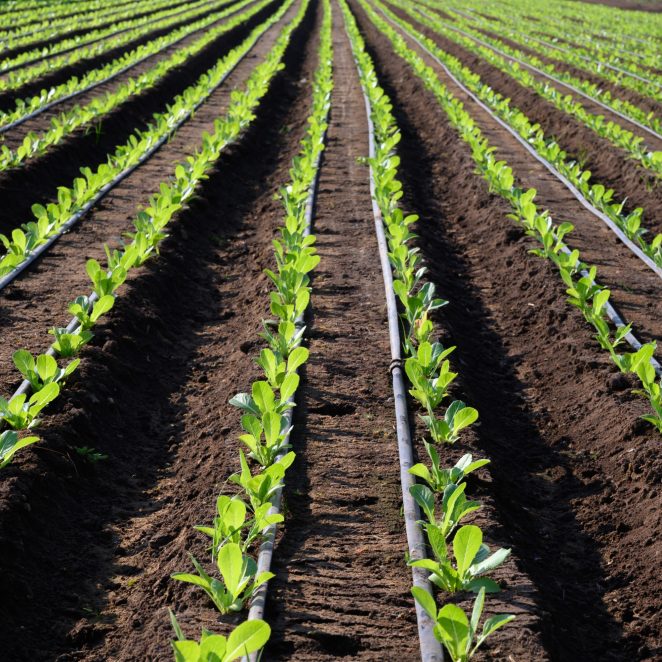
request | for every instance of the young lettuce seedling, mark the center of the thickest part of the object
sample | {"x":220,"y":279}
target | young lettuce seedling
{"x":87,"y":313}
{"x":454,"y":630}
{"x":472,"y":559}
{"x":285,"y":340}
{"x":239,"y":579}
{"x":246,"y":638}
{"x":457,"y":417}
{"x":44,"y":370}
{"x":439,"y":478}
{"x":454,"y":507}
{"x":68,"y":344}
{"x":232,"y":523}
{"x":260,"y":487}
{"x":22,"y":415}
{"x":10,"y":443}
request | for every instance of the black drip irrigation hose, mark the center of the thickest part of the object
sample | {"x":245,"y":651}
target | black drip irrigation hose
{"x":76,"y":47}
{"x":615,"y":318}
{"x":41,"y":249}
{"x":135,"y":63}
{"x":430,"y":648}
{"x":265,"y":556}
{"x":558,"y":81}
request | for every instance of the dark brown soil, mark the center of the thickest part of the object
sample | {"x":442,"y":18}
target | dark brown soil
{"x":574,"y":475}
{"x":100,"y":541}
{"x":573,"y":485}
{"x":610,"y":166}
{"x":342,"y":585}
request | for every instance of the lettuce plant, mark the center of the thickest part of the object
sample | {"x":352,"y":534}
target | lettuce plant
{"x":439,"y":478}
{"x":472,"y":561}
{"x":44,"y":370}
{"x":239,"y":578}
{"x":245,"y":639}
{"x":452,"y":627}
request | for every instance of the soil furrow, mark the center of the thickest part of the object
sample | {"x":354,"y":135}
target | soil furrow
{"x":635,"y":288}
{"x":342,"y":587}
{"x":152,"y":393}
{"x":610,"y":165}
{"x":574,"y":474}
{"x":39,"y":298}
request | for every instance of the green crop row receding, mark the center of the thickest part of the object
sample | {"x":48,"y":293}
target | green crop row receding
{"x":67,"y":122}
{"x":592,"y":90}
{"x":50,"y":220}
{"x":582,"y":289}
{"x":459,"y":560}
{"x":25,"y":107}
{"x":595,"y":193}
{"x":245,"y":519}
{"x":20,"y":413}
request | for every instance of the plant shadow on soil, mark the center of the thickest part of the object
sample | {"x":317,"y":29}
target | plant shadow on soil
{"x":58,"y":553}
{"x":547,"y":539}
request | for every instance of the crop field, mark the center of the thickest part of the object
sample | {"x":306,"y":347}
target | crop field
{"x":329,"y":330}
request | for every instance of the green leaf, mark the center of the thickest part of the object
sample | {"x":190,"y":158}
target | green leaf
{"x":190,"y":579}
{"x":477,"y":611}
{"x":425,"y":600}
{"x":271,"y":422}
{"x":216,"y":645}
{"x":230,"y":562}
{"x":453,"y":626}
{"x":466,"y":544}
{"x":492,"y":562}
{"x":464,"y":418}
{"x":289,"y":386}
{"x":263,"y":396}
{"x":23,"y":361}
{"x":46,"y":367}
{"x":186,"y":651}
{"x":298,"y":356}
{"x":102,"y":306}
{"x":246,"y":638}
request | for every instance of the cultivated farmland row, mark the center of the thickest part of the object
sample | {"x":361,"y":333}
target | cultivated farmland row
{"x":328,"y":331}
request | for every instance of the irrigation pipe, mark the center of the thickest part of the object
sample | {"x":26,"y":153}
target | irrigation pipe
{"x":566,"y":182}
{"x":610,"y":310}
{"x":265,"y":555}
{"x":40,"y":250}
{"x":643,"y":127}
{"x":431,"y":650}
{"x":564,"y":50}
{"x":76,"y":47}
{"x":135,"y":63}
